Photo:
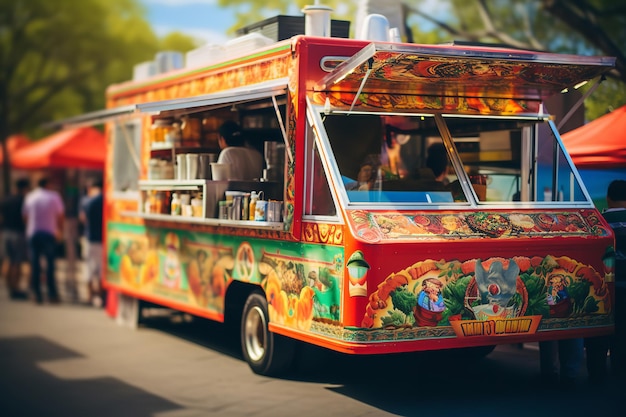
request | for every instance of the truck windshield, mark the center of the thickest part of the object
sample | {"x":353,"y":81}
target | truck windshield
{"x":402,"y":159}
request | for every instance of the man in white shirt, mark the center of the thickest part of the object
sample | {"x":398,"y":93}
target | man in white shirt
{"x":245,"y":163}
{"x":43,"y":212}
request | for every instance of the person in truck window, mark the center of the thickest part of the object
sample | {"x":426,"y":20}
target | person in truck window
{"x":245,"y":163}
{"x":366,"y":176}
{"x":437,"y":161}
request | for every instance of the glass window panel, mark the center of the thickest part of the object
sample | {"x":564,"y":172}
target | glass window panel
{"x":125,"y":169}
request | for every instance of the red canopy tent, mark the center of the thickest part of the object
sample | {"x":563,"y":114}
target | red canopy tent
{"x":14,"y":142}
{"x":82,"y":147}
{"x":600,"y":144}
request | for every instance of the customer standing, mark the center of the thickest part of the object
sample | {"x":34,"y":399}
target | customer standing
{"x":43,"y":212}
{"x":91,"y":216}
{"x":14,"y":237}
{"x":598,"y":347}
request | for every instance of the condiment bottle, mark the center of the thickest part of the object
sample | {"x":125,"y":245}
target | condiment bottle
{"x":253,"y":198}
{"x":185,"y":203}
{"x":245,"y":215}
{"x":196,"y":206}
{"x":176,"y":208}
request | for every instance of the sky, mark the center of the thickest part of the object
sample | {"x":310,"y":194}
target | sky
{"x":202,"y":19}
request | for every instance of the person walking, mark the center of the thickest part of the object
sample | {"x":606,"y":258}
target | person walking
{"x":43,"y":213}
{"x":14,"y":237}
{"x":91,"y":216}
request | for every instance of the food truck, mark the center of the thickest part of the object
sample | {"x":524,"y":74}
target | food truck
{"x":352,"y":239}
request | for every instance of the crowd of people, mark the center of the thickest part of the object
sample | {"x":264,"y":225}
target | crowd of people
{"x":31,"y":229}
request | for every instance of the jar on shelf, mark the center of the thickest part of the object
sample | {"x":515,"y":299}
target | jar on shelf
{"x":191,"y":128}
{"x":159,"y":129}
{"x":173,"y":133}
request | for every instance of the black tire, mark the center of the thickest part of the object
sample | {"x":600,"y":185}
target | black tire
{"x":266,"y":353}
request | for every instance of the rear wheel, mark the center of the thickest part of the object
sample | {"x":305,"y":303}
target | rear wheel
{"x":266,"y":353}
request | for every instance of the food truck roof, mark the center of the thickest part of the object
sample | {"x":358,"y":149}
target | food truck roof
{"x":441,"y":71}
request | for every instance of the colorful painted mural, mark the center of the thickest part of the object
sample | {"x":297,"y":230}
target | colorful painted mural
{"x":301,"y":283}
{"x":298,"y":290}
{"x":466,"y":105}
{"x":381,"y":226}
{"x":484,"y":297}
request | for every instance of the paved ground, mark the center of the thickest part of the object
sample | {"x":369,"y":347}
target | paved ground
{"x":73,"y":360}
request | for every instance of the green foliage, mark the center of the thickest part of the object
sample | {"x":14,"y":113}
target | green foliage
{"x":454,"y":297}
{"x":394,"y":318}
{"x":536,"y":289}
{"x":578,"y":292}
{"x":180,"y":42}
{"x":403,"y":300}
{"x":58,"y":57}
{"x":247,"y":12}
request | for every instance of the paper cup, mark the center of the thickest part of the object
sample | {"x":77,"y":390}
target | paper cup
{"x":192,"y":166}
{"x":181,"y":167}
{"x":220,"y":172}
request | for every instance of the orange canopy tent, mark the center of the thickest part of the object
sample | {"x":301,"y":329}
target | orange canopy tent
{"x":601,"y":143}
{"x":82,"y":147}
{"x":14,"y":142}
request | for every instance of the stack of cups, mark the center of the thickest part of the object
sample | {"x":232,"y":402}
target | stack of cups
{"x":181,"y":167}
{"x":192,"y":166}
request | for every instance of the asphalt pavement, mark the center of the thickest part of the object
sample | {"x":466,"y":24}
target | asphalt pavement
{"x":72,"y":359}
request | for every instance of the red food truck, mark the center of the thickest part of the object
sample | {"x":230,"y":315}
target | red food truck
{"x":354,"y":238}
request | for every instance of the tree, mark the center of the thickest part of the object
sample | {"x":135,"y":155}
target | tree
{"x":248,"y":12}
{"x":56,"y":59}
{"x":594,"y":27}
{"x":586,"y":27}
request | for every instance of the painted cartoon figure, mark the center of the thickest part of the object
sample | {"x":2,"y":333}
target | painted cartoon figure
{"x":557,"y":289}
{"x":172,"y":273}
{"x":430,"y":296}
{"x":497,"y":286}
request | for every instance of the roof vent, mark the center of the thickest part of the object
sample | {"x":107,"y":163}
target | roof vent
{"x":375,"y":28}
{"x":317,"y":20}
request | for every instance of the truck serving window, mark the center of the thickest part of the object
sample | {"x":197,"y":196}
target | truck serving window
{"x":126,"y":148}
{"x":515,"y":161}
{"x":391,"y":159}
{"x":404,"y":159}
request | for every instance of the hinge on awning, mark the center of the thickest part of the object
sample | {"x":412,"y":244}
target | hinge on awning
{"x":370,"y":64}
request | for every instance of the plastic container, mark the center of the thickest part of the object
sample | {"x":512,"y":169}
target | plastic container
{"x":251,"y":210}
{"x":176,"y":209}
{"x":260,"y":211}
{"x":220,"y":172}
{"x":185,"y":204}
{"x":196,"y":206}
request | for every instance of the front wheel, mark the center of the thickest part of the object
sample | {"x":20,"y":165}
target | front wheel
{"x":266,"y":353}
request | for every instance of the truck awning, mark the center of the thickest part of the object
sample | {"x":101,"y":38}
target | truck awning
{"x":94,"y":118}
{"x":269,"y":89}
{"x":233,"y":96}
{"x":461,"y":71}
